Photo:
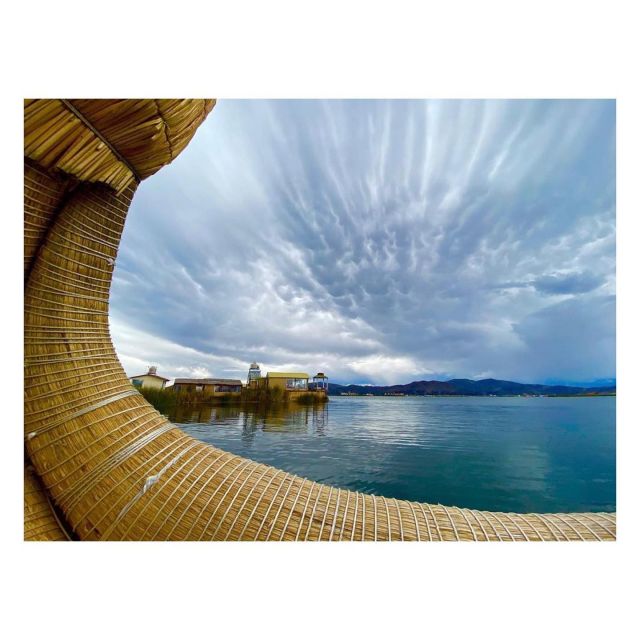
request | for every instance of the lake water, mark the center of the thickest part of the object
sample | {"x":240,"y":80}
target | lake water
{"x":500,"y":454}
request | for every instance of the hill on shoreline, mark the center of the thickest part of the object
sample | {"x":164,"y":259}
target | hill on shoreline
{"x":464,"y":387}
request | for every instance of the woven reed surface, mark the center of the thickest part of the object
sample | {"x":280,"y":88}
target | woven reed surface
{"x":118,"y":470}
{"x":39,"y":520}
{"x":113,"y":142}
{"x":43,"y":194}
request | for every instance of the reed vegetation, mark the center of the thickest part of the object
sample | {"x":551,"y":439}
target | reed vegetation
{"x":265,"y":396}
{"x":162,"y":400}
{"x":311,"y":398}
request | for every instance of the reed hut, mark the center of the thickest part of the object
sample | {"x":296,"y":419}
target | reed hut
{"x":100,"y":462}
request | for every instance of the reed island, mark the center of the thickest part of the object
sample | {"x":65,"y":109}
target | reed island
{"x":275,"y":387}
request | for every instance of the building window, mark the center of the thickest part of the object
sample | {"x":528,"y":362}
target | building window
{"x":137,"y":383}
{"x":199,"y":387}
{"x":296,"y":383}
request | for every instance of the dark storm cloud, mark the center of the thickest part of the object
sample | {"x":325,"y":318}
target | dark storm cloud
{"x":577,"y":334}
{"x":561,"y":284}
{"x":378,"y":240}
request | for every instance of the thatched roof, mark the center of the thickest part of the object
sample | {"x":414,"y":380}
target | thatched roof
{"x":103,"y":464}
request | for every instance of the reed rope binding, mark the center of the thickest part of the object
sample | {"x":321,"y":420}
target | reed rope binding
{"x":103,"y":464}
{"x":113,"y":150}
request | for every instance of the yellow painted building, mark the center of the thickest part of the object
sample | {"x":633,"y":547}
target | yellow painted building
{"x":149,"y":380}
{"x":291,"y":384}
{"x":287,"y":381}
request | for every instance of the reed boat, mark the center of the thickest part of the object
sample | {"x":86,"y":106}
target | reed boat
{"x":100,"y":462}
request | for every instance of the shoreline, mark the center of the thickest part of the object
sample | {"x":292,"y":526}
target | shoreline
{"x":462,"y":395}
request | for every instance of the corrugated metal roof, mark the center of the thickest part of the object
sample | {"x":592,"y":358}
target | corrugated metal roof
{"x":284,"y":374}
{"x":207,"y":381}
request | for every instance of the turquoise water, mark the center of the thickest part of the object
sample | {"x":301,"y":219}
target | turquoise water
{"x":501,"y":454}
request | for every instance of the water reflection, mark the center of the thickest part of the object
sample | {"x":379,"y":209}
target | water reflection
{"x":501,"y":454}
{"x":184,"y":414}
{"x":286,"y":419}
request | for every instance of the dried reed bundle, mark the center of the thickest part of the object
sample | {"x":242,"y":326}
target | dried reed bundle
{"x":113,"y":142}
{"x":116,"y":468}
{"x":40,"y":522}
{"x":43,"y":194}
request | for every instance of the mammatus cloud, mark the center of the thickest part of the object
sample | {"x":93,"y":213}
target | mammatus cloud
{"x":378,"y":241}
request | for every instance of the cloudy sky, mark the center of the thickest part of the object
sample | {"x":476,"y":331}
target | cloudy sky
{"x":378,"y":241}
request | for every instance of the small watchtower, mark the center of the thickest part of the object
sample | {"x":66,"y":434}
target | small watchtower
{"x":254,"y":373}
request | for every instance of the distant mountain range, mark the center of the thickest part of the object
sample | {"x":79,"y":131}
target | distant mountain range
{"x":464,"y":387}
